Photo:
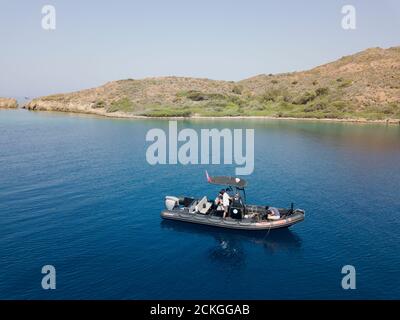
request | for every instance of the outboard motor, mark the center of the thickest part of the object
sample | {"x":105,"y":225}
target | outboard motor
{"x":171,"y":202}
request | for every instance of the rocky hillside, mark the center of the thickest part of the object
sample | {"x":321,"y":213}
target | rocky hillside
{"x":8,"y":103}
{"x":364,"y":85}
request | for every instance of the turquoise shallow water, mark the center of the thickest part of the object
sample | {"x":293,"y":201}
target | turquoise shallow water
{"x":76,"y":192}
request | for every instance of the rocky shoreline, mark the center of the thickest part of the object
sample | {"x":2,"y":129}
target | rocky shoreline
{"x":122,"y":115}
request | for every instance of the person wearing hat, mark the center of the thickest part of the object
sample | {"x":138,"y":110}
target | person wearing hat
{"x":218,"y":200}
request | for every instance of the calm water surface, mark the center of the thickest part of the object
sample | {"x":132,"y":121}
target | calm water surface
{"x":76,"y":192}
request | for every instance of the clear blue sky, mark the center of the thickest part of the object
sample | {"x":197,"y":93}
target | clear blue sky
{"x":100,"y":41}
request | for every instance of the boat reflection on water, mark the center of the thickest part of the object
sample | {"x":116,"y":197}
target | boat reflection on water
{"x":230,"y":243}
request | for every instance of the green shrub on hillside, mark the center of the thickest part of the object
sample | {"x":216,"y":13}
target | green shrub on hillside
{"x":315,"y":107}
{"x":237,"y":89}
{"x":168,"y":112}
{"x":123,"y":105}
{"x":197,"y":96}
{"x":255,"y":105}
{"x":99,"y":104}
{"x":322,"y":91}
{"x":269,"y":95}
{"x":340,"y":105}
{"x":391,"y":109}
{"x":305,"y":98}
{"x":275,"y":95}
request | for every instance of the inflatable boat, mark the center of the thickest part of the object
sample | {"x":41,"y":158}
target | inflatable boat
{"x":236,"y":215}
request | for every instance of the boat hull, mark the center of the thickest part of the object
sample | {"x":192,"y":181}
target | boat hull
{"x":233,"y":223}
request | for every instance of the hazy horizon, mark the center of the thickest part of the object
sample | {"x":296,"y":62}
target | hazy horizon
{"x":94,"y":43}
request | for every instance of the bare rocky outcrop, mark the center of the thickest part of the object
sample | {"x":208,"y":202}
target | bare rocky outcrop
{"x":8,"y":103}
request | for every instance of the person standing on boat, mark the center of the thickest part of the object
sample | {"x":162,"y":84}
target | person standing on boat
{"x":237,"y":200}
{"x":225,"y":202}
{"x":218,"y":201}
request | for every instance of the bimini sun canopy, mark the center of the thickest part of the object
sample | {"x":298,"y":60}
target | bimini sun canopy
{"x":227,"y":181}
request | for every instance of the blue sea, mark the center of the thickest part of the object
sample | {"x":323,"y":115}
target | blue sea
{"x":76,"y":192}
